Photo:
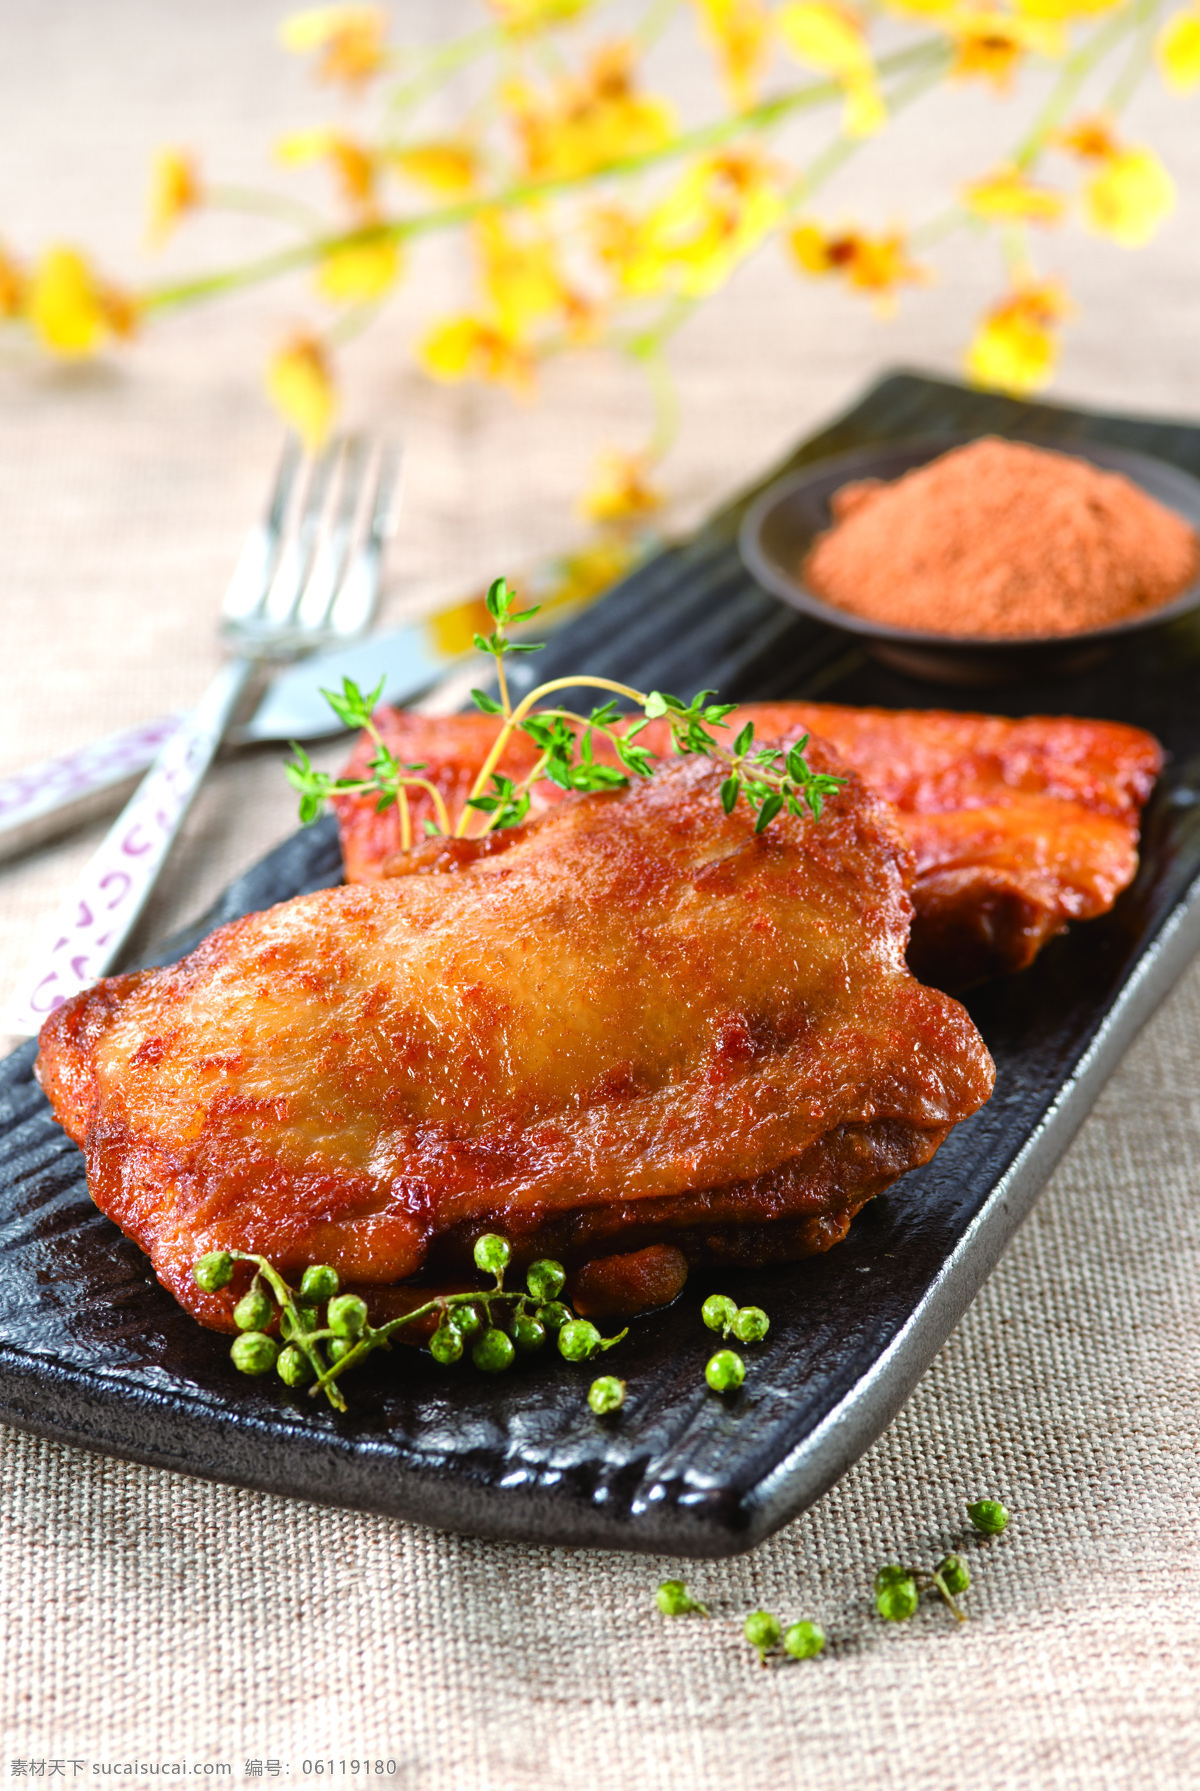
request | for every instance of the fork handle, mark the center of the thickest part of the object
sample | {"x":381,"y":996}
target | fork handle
{"x":86,"y":935}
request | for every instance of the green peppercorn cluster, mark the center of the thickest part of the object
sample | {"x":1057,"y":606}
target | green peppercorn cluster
{"x":800,"y":1641}
{"x":494,"y":1326}
{"x":898,"y":1589}
{"x":726,"y":1370}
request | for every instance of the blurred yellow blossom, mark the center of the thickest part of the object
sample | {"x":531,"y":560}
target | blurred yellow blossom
{"x":874,"y":264}
{"x":1008,"y":196}
{"x":739,"y":32}
{"x":1131,"y":192}
{"x":354,"y":168}
{"x":1178,"y":50}
{"x":348,"y":40}
{"x":174,"y":189}
{"x":589,"y":120}
{"x":1015,"y":348}
{"x":1061,"y":11}
{"x":469,"y":347}
{"x":357,"y":272}
{"x":581,"y":575}
{"x":72,"y":310}
{"x":532,"y":15}
{"x":522,"y":277}
{"x":620,"y":490}
{"x":13,"y":286}
{"x":449,"y":169}
{"x":300,"y":384}
{"x":989,"y":45}
{"x":690,"y":242}
{"x":830,"y":38}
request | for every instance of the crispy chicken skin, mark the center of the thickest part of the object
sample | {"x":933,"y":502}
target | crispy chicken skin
{"x":631,"y":1022}
{"x":1016,"y":827}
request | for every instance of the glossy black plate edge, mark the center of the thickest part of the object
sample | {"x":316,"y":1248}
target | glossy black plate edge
{"x":829,"y":1450}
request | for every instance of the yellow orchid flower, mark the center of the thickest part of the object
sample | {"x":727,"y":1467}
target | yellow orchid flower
{"x":521,"y":276}
{"x":830,"y":38}
{"x":358,"y":272}
{"x":348,"y":40}
{"x":990,"y":45}
{"x":354,"y":168}
{"x":620,"y":490}
{"x":876,"y":265}
{"x":532,"y":15}
{"x":1015,"y":348}
{"x":449,"y":169}
{"x":174,"y":190}
{"x":739,"y":33}
{"x":1061,"y":11}
{"x":1129,"y":198}
{"x":1008,"y":196}
{"x":13,"y":286}
{"x":472,"y":348}
{"x":591,"y":120}
{"x":1131,"y":192}
{"x":691,"y":241}
{"x":300,"y":385}
{"x":72,"y":310}
{"x":1177,"y":50}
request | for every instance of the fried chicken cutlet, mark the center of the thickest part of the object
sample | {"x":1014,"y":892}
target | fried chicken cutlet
{"x":630,"y":1022}
{"x":1016,"y":827}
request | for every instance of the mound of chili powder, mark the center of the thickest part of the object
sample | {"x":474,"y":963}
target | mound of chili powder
{"x":998,"y":538}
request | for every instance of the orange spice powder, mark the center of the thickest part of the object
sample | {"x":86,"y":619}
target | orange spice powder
{"x":998,"y":538}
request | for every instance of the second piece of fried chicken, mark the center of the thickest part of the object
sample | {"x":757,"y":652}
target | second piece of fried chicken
{"x":1016,"y":827}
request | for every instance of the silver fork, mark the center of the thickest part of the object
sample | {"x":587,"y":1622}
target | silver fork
{"x":308,"y":577}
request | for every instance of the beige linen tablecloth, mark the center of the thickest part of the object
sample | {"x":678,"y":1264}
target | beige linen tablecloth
{"x":150,"y":1618}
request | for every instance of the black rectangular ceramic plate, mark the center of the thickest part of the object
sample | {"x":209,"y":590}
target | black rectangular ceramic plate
{"x":92,"y":1350}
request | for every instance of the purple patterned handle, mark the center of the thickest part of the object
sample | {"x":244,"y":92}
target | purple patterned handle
{"x":87,"y":934}
{"x":45,"y":797}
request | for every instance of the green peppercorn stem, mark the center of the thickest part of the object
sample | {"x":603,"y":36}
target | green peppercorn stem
{"x":319,"y":1283}
{"x":896,"y":1595}
{"x":719,"y":1312}
{"x":492,"y":1255}
{"x":606,"y":1394}
{"x":725,"y":1371}
{"x":213,"y":1271}
{"x":761,"y":1630}
{"x":803,"y":1640}
{"x":750,"y":1324}
{"x":554,"y":1315}
{"x":347,"y":1315}
{"x":446,"y":1345}
{"x":988,"y":1516}
{"x":528,"y":1334}
{"x":674,"y":1600}
{"x":293,"y":1367}
{"x":254,"y":1310}
{"x":254,"y":1353}
{"x":952,"y":1571}
{"x":579,"y":1340}
{"x":494,"y":1352}
{"x":546,"y":1279}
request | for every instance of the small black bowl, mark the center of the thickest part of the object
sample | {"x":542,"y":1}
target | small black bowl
{"x":783,"y":523}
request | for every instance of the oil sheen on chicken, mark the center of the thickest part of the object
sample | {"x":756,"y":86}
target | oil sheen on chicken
{"x":1016,"y":827}
{"x":629,"y":1023}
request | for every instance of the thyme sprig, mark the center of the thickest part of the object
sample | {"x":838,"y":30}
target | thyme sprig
{"x":770,"y":780}
{"x":498,"y":1323}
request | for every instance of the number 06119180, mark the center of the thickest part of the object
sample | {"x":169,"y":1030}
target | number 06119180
{"x":348,"y":1768}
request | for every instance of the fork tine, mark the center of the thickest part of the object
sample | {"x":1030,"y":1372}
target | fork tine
{"x":329,"y":564}
{"x":354,"y":604}
{"x":283,"y":594}
{"x":256,"y":563}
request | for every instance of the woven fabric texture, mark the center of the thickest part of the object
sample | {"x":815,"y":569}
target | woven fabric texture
{"x":150,"y":1618}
